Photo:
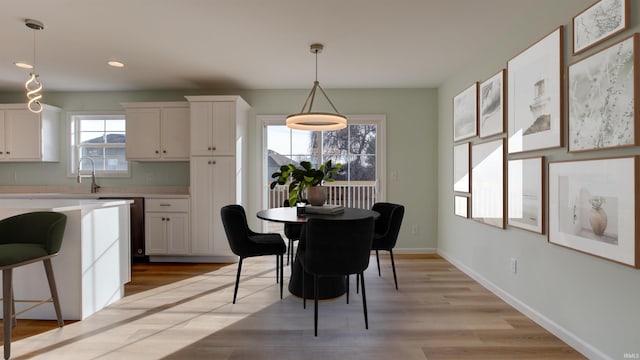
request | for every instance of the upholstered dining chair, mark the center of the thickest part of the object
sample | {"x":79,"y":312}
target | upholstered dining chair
{"x":335,"y":248}
{"x":291,"y":232}
{"x":25,"y":239}
{"x":247,"y":243}
{"x":387,"y":227}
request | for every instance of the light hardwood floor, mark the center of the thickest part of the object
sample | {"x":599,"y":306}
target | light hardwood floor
{"x":185,"y":312}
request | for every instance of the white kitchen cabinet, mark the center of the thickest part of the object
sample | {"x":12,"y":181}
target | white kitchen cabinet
{"x":218,"y":163}
{"x":26,"y":136}
{"x":157,"y":131}
{"x":167,"y":226}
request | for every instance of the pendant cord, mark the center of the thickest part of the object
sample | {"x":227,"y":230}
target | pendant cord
{"x":34,"y":51}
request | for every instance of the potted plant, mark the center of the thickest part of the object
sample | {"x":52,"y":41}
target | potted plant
{"x":306,"y":178}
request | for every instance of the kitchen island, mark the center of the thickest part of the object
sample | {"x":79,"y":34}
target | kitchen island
{"x":94,"y":261}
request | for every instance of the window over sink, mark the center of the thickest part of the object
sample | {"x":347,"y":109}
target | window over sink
{"x":101,"y":138}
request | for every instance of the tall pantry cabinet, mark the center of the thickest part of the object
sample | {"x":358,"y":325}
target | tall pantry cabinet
{"x":218,"y":162}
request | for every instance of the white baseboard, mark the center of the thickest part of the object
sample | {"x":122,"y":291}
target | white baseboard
{"x":565,"y":335}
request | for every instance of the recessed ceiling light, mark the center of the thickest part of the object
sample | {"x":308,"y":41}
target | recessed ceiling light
{"x":23,"y":65}
{"x":115,"y":63}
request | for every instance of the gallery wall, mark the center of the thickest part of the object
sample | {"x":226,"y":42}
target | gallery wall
{"x":588,"y":301}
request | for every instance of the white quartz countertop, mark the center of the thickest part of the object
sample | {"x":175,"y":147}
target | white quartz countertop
{"x":51,"y":204}
{"x":87,"y":196}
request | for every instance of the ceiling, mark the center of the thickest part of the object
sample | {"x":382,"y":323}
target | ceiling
{"x":257,"y":44}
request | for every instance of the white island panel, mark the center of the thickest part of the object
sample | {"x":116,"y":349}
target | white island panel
{"x":94,"y":261}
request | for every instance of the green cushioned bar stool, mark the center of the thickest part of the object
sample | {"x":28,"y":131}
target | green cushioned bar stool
{"x":25,"y":239}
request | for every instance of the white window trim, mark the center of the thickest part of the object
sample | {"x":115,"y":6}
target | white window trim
{"x":381,"y":150}
{"x":72,"y":164}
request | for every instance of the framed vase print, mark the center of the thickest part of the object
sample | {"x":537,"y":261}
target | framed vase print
{"x":525,"y":208}
{"x":465,"y":113}
{"x":534,"y":95}
{"x":461,"y":167}
{"x":487,"y":183}
{"x":592,"y":207}
{"x":491,"y":95}
{"x":602,"y":98}
{"x":599,"y":22}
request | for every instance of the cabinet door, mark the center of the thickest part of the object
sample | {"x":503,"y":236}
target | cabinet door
{"x":143,"y":134}
{"x":155,"y":237}
{"x":223,"y":177}
{"x":202,"y":214}
{"x":213,"y":128}
{"x":23,"y":136}
{"x":175,"y":133}
{"x":2,"y":135}
{"x":177,"y":233}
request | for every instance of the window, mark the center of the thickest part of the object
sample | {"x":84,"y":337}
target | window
{"x":358,"y":148}
{"x":100,"y":138}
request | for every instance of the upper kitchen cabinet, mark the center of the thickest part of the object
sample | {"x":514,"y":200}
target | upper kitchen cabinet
{"x":26,"y":136}
{"x":213,"y":124}
{"x":157,"y":131}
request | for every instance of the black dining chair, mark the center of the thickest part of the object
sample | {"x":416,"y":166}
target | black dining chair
{"x":247,"y":243}
{"x":387,"y":227}
{"x":292,"y":232}
{"x":25,"y":239}
{"x":335,"y":248}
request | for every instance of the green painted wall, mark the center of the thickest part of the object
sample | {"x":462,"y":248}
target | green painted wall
{"x":592,"y":303}
{"x":411,"y":146}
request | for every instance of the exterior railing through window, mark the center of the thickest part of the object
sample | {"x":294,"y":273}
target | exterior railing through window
{"x":356,"y":194}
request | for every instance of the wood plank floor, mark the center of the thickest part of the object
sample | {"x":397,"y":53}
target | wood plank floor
{"x":184,"y":311}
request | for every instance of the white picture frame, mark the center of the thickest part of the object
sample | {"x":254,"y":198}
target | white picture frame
{"x":461,"y":167}
{"x":465,"y":113}
{"x":487,"y":183}
{"x":525,"y":198}
{"x":599,"y":22}
{"x":491,"y":98}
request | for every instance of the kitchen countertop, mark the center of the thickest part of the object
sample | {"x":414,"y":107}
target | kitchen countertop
{"x":88,"y":195}
{"x":51,"y":204}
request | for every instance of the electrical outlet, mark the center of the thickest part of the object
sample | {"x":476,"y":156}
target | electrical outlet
{"x":514,"y":265}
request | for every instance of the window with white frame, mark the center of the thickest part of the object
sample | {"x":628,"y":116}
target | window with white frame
{"x":98,"y":140}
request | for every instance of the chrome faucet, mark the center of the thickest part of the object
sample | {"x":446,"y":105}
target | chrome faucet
{"x":94,"y":186}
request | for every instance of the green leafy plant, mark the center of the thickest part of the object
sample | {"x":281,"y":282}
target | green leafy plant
{"x":304,"y":177}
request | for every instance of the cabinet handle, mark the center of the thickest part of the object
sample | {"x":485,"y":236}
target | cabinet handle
{"x":165,"y":204}
{"x":209,"y":148}
{"x":212,"y":162}
{"x":164,"y":151}
{"x":157,"y":152}
{"x":8,"y":152}
{"x":168,"y":219}
{"x":1,"y":152}
{"x":163,"y":219}
{"x":213,"y":148}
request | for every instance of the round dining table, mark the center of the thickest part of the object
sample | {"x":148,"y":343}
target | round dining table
{"x":329,"y":287}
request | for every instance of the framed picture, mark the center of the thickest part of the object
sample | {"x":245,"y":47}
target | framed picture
{"x":461,"y":167}
{"x":461,"y":206}
{"x":525,"y":194}
{"x":592,"y":207}
{"x":487,"y":183}
{"x":465,"y":113}
{"x":534,"y":95}
{"x":602,"y":98}
{"x":599,"y":22}
{"x":491,"y":95}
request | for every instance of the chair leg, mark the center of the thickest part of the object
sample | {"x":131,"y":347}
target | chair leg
{"x":393,"y":266}
{"x":347,"y":287}
{"x":281,"y":276}
{"x":304,"y":290}
{"x":235,"y":291}
{"x":316,"y":280}
{"x":7,"y":314}
{"x":54,"y":292}
{"x":289,"y":251}
{"x":364,"y":302}
{"x":277,"y":268}
{"x":378,"y":261}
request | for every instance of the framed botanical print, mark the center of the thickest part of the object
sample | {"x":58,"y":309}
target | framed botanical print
{"x":491,"y":94}
{"x":525,"y":194}
{"x":465,"y":113}
{"x":534,"y":96}
{"x":461,"y":167}
{"x":593,"y":207}
{"x":602,"y":98}
{"x":599,"y":22}
{"x":487,"y":183}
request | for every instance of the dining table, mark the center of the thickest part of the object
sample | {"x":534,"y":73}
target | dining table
{"x":329,"y":287}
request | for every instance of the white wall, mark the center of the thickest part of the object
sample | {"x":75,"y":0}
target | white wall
{"x":590,"y":302}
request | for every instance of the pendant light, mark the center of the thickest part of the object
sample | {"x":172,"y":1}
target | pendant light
{"x":317,"y":121}
{"x":33,"y":84}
